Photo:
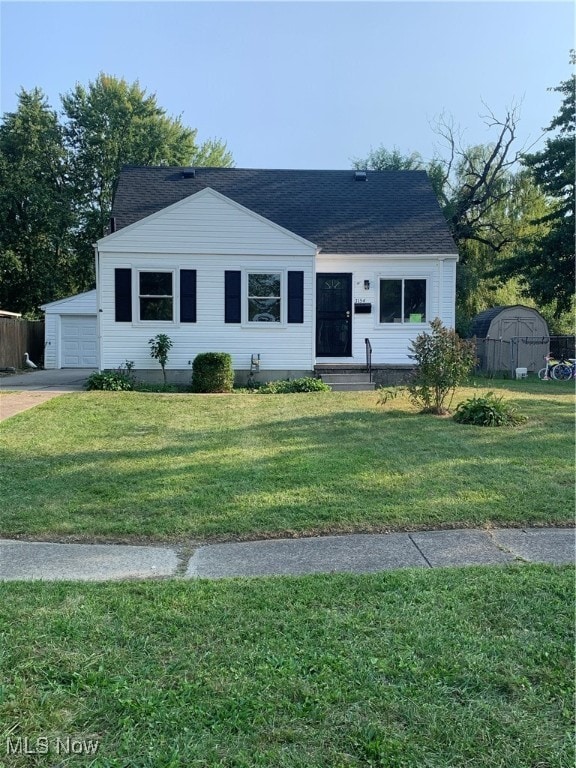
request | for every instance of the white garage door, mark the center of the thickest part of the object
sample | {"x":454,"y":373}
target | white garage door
{"x":78,"y":338}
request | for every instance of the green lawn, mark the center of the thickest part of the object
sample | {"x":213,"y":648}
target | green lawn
{"x":443,"y":669}
{"x":121,"y":465}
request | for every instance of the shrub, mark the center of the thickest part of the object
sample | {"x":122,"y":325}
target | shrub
{"x":289,"y":386}
{"x":111,"y":381}
{"x":160,"y":345}
{"x":488,"y":411}
{"x":212,"y":372}
{"x":385,"y":394}
{"x":443,"y":362}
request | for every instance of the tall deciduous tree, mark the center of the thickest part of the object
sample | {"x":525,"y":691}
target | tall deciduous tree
{"x":473,"y":186}
{"x":479,"y":277}
{"x":36,"y":215}
{"x":57,"y":181}
{"x":545,"y":259}
{"x":112,"y":123}
{"x":469,"y":180}
{"x":489,"y":205}
{"x":474,"y":180}
{"x":383,"y":159}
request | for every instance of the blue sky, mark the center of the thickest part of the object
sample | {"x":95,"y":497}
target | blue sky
{"x":303,"y":84}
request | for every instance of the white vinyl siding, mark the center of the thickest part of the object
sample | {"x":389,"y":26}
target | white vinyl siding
{"x":210,"y":234}
{"x":448,"y":295}
{"x":206,"y":222}
{"x":287,"y":346}
{"x":51,"y":335}
{"x":391,"y":341}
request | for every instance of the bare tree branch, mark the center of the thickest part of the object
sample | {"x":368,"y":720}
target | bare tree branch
{"x":476,"y":179}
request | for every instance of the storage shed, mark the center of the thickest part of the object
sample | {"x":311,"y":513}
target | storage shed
{"x":70,"y":332}
{"x":510,"y":337}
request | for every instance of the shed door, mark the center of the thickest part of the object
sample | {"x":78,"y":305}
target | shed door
{"x":78,"y":341}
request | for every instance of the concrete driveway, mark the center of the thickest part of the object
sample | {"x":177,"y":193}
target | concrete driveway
{"x":22,"y":391}
{"x":62,"y":380}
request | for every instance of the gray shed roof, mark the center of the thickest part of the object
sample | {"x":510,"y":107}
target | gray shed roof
{"x":481,"y":323}
{"x":390,"y":212}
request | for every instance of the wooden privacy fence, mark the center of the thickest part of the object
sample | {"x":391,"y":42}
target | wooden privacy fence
{"x":19,"y":336}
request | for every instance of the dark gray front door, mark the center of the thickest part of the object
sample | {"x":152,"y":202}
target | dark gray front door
{"x":334,"y":315}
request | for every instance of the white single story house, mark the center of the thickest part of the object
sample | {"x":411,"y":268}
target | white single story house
{"x":299,"y":268}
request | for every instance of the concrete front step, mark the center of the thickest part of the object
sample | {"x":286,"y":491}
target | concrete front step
{"x":348,"y":382}
{"x":336,"y":378}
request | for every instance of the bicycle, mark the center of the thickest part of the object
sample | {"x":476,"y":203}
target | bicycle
{"x":560,"y":369}
{"x":564,"y":369}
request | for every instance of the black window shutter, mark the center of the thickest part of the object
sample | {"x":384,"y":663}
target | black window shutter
{"x":232,"y":297}
{"x":295,"y":297}
{"x":187,"y":295}
{"x":123,"y":295}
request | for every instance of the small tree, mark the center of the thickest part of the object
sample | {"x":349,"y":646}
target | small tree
{"x":444,"y":361}
{"x":160,"y":345}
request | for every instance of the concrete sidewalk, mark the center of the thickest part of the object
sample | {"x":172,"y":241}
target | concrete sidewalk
{"x":356,"y":553}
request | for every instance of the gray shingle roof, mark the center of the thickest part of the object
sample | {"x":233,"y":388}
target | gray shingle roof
{"x":390,"y":212}
{"x":481,"y":323}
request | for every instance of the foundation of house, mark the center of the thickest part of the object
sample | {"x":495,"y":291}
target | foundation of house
{"x":382,"y":375}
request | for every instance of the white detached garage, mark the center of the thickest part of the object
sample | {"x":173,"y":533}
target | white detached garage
{"x":70,"y":332}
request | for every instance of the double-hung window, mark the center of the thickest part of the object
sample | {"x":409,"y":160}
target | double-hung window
{"x":152,"y":296}
{"x":264,"y":297}
{"x":252,"y":297}
{"x":402,"y":300}
{"x":156,"y":295}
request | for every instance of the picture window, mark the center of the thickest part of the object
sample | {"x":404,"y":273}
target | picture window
{"x":403,"y":301}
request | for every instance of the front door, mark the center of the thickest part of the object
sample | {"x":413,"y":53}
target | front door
{"x":334,"y":315}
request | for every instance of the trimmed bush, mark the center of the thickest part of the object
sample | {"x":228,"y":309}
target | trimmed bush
{"x":212,"y":372}
{"x":488,"y":411}
{"x":289,"y":386}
